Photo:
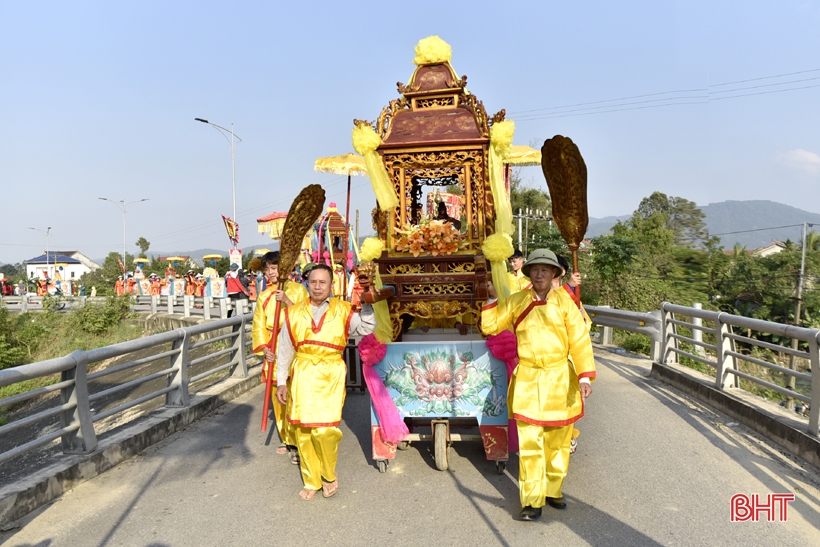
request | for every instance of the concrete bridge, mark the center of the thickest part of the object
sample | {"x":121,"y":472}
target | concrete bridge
{"x":655,"y":466}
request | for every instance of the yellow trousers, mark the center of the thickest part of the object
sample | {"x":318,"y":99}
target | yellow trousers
{"x":543,"y":455}
{"x":282,"y":424}
{"x":319,"y":451}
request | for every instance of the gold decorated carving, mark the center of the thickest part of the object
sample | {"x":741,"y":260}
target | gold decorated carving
{"x":436,"y":309}
{"x":436,"y":268}
{"x":499,"y":116}
{"x":439,"y":102}
{"x":404,"y":269}
{"x":388,"y":114}
{"x":461,"y":267}
{"x":458,"y":84}
{"x":407,"y":88}
{"x":433,"y":79}
{"x":437,"y":289}
{"x":477,"y":108}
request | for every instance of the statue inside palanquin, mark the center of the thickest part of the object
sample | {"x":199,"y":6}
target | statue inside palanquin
{"x":442,"y":215}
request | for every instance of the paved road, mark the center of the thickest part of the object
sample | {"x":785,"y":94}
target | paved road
{"x":652,"y":468}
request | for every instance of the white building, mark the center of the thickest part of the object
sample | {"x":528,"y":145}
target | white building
{"x":69,"y":264}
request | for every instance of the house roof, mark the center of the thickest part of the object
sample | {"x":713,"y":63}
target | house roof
{"x":51,"y":259}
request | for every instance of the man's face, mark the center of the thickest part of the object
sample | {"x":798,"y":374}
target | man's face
{"x":516,"y":263}
{"x":541,"y":276}
{"x":319,"y":285}
{"x":271,"y":272}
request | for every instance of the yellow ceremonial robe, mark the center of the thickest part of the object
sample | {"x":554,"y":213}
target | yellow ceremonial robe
{"x":519,"y":282}
{"x":318,"y":371}
{"x":544,"y":389}
{"x":262,"y":328}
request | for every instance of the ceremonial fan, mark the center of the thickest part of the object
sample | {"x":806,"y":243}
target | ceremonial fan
{"x":304,"y":211}
{"x":566,"y":175}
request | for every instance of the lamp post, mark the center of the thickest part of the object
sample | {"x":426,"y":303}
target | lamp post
{"x":47,"y":231}
{"x":124,"y":206}
{"x":224,"y":132}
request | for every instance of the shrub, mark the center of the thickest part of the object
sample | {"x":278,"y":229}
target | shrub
{"x":100,"y":318}
{"x":637,"y":343}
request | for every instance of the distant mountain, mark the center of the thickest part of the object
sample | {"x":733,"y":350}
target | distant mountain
{"x":725,"y":218}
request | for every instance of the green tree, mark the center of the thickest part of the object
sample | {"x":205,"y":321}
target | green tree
{"x":143,"y":244}
{"x":681,"y":216}
{"x":524,"y":198}
{"x":104,"y":278}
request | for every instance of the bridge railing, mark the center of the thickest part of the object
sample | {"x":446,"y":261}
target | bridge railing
{"x":211,"y":307}
{"x":75,"y":406}
{"x":719,"y":350}
{"x":647,"y":323}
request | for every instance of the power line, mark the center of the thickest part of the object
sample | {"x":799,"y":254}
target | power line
{"x":763,"y":92}
{"x":767,"y":77}
{"x":757,"y":230}
{"x":765,"y":85}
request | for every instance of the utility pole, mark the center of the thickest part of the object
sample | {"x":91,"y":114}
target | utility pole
{"x":797,"y":309}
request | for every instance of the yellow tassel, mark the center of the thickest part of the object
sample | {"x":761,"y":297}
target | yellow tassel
{"x":497,"y":249}
{"x":365,"y":142}
{"x":384,"y":327}
{"x":371,"y":249}
{"x":432,"y":50}
{"x":501,"y":136}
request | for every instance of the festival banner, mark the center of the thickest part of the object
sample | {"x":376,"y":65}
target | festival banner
{"x":216,"y":287}
{"x":232,"y":228}
{"x":144,"y":287}
{"x":120,"y":264}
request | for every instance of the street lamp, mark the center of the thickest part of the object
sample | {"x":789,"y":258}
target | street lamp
{"x":47,"y":231}
{"x":224,"y":132}
{"x":124,"y":206}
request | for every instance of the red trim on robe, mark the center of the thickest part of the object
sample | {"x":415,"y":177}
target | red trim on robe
{"x":287,"y":324}
{"x":489,"y":306}
{"x":300,"y":424}
{"x":557,"y":423}
{"x":572,"y":294}
{"x":318,"y":328}
{"x":527,"y":311}
{"x":587,"y":375}
{"x":319,"y":343}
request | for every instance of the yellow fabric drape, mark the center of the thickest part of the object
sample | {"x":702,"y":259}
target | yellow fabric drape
{"x":501,"y":136}
{"x":371,"y":250}
{"x":366,"y":141}
{"x":497,"y":249}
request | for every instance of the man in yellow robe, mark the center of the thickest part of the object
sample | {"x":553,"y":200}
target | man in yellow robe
{"x":262,"y":330}
{"x":310,"y":350}
{"x":547,"y":391}
{"x":518,"y":281}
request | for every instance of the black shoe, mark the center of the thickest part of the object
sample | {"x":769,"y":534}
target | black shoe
{"x":558,"y":503}
{"x":530,"y":513}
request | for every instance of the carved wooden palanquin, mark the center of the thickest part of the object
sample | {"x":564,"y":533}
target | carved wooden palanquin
{"x":436,"y":134}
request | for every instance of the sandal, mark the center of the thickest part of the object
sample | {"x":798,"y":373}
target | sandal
{"x":307,"y":495}
{"x":573,"y":444}
{"x":294,"y":457}
{"x":329,"y":489}
{"x":282,"y":449}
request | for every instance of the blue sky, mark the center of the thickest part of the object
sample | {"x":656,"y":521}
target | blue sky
{"x":99,"y":100}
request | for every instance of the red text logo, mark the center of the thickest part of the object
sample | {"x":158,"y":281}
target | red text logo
{"x":775,"y":507}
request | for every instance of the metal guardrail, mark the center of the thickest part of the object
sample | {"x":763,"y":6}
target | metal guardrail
{"x":647,"y":323}
{"x":75,"y":406}
{"x":158,"y":303}
{"x":723,"y":354}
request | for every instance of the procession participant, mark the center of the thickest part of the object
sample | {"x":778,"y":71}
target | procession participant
{"x":310,"y":352}
{"x":518,"y":281}
{"x":234,"y":287}
{"x":547,"y":392}
{"x":261,"y":332}
{"x":199,"y":285}
{"x":338,"y":281}
{"x":190,"y":283}
{"x":130,"y":284}
{"x":573,"y":282}
{"x":119,"y":286}
{"x":154,"y":287}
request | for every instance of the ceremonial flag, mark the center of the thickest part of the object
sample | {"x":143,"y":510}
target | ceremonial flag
{"x":120,"y":264}
{"x":232,"y":228}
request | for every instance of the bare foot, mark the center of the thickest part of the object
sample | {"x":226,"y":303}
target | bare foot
{"x":329,"y":489}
